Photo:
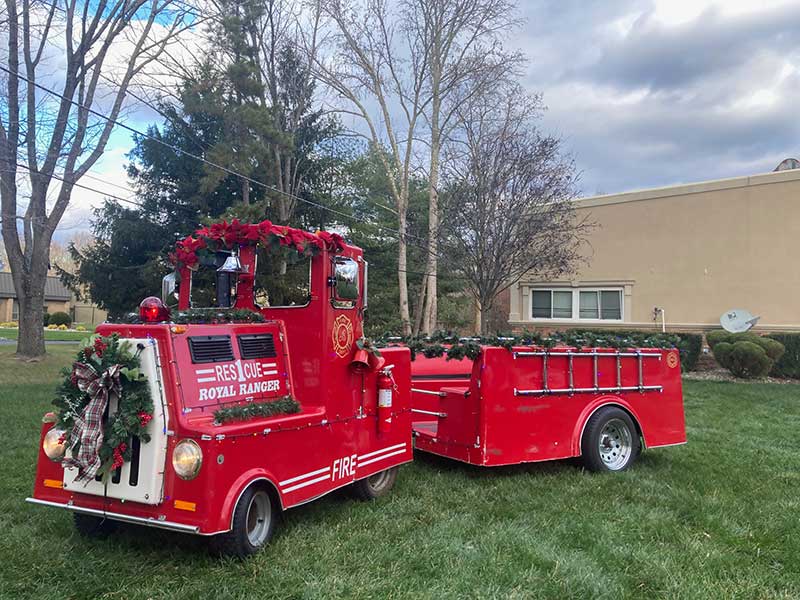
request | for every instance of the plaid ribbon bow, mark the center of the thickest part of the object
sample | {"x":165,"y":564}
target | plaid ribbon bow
{"x":88,"y":428}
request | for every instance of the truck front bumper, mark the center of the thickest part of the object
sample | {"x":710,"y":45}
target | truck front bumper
{"x":149,"y":522}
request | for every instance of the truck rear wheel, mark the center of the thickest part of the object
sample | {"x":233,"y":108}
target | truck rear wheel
{"x":253,"y":525}
{"x":610,"y":441}
{"x":376,"y":485}
{"x":93,"y":527}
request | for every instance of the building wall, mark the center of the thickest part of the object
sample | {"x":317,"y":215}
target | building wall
{"x":695,"y":250}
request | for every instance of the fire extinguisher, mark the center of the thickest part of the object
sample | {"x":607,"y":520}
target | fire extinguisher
{"x":385,"y":390}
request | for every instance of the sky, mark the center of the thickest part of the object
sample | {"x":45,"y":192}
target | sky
{"x":644,"y":93}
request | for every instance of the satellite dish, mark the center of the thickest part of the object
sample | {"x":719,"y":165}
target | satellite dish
{"x":787,"y":164}
{"x":737,"y":320}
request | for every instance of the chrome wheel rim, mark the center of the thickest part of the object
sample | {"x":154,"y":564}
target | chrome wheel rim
{"x":377,"y":481}
{"x":259,"y":514}
{"x":615,"y":445}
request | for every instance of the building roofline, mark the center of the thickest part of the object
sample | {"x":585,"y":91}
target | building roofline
{"x":684,"y":189}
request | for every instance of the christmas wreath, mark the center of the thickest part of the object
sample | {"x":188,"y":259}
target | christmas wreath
{"x":104,"y":368}
{"x":209,"y":240}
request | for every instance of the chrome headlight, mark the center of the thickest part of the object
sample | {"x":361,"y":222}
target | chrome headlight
{"x":52,"y":445}
{"x":187,"y":458}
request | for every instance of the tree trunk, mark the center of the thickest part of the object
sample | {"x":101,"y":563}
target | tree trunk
{"x":430,"y":320}
{"x":402,"y":279}
{"x":31,"y":329}
{"x":420,"y":306}
{"x":478,"y":317}
{"x":485,"y":307}
{"x":31,"y":301}
{"x":245,"y":191}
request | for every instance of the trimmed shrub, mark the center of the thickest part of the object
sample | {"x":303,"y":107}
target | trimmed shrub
{"x":52,"y":326}
{"x":80,"y":328}
{"x":715,"y":337}
{"x":722,"y":350}
{"x":788,"y":365}
{"x":63,"y":327}
{"x":748,"y":360}
{"x":46,"y":320}
{"x":771,"y":347}
{"x":60,"y":318}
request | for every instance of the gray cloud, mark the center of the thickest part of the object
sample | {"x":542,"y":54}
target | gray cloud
{"x":642,"y":103}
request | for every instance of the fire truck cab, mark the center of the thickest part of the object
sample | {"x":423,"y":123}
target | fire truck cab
{"x":230,"y":480}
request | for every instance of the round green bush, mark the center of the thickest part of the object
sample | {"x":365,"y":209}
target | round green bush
{"x":748,"y":360}
{"x":46,"y":319}
{"x":715,"y":337}
{"x":60,"y":318}
{"x":722,"y":350}
{"x":773,"y":348}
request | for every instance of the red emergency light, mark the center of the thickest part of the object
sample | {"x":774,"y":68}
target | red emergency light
{"x":152,"y":310}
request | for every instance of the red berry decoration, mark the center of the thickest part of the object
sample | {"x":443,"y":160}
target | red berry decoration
{"x":144,"y":418}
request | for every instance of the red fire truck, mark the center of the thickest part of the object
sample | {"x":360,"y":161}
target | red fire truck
{"x":230,"y":480}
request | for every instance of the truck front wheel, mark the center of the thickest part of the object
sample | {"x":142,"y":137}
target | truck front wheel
{"x":253,"y":525}
{"x":93,"y":527}
{"x":610,"y":441}
{"x":375,"y":486}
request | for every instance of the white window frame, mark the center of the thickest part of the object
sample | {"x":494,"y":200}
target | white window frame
{"x":576,"y":301}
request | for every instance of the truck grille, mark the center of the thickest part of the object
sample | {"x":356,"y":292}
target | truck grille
{"x":257,"y":346}
{"x":210,"y":348}
{"x":141,"y":479}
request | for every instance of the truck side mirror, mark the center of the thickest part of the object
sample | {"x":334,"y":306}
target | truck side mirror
{"x":344,"y":283}
{"x":168,"y":284}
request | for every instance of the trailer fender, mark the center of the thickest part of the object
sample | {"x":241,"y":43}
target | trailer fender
{"x":592,"y":408}
{"x":238,"y":488}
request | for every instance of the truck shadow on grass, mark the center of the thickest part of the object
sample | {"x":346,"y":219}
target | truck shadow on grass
{"x":337,"y":505}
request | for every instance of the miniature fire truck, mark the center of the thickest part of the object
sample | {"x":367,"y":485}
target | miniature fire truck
{"x":230,"y":481}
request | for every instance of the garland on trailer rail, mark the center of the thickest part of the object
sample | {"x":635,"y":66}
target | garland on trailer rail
{"x":459,"y":347}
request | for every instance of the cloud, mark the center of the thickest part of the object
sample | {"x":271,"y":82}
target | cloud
{"x":654,"y":93}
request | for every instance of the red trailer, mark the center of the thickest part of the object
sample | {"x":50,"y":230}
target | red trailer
{"x":532,"y":404}
{"x":230,"y":480}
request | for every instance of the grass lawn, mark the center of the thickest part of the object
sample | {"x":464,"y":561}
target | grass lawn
{"x":718,"y":518}
{"x":50,"y":335}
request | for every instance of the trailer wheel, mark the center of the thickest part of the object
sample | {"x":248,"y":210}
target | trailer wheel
{"x":375,"y":486}
{"x":93,"y":527}
{"x":610,"y":441}
{"x":253,"y":525}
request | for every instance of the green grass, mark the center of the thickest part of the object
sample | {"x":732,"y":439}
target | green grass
{"x":717,"y":518}
{"x":50,"y":335}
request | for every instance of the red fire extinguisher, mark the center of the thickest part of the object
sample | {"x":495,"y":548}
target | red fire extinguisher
{"x":385,"y":390}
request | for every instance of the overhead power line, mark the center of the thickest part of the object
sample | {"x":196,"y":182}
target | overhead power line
{"x":204,"y":160}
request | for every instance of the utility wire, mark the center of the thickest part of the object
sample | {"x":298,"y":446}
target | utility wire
{"x":204,"y":160}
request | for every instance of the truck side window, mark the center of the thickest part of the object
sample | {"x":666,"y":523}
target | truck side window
{"x":345,"y":292}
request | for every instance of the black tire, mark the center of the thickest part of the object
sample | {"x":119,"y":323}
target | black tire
{"x":610,"y":441}
{"x":253,"y":525}
{"x":94,"y":527}
{"x":376,"y":485}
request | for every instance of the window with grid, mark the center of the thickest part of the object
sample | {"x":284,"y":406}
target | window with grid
{"x":578,"y":304}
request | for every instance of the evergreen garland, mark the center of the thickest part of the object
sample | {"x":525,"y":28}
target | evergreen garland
{"x":135,"y":404}
{"x":244,"y":412}
{"x":458,"y":347}
{"x":202,"y":316}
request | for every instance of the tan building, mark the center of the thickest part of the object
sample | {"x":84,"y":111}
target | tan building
{"x":57,"y":298}
{"x":693,"y":251}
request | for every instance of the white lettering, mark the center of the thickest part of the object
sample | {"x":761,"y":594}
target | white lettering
{"x":344,"y":467}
